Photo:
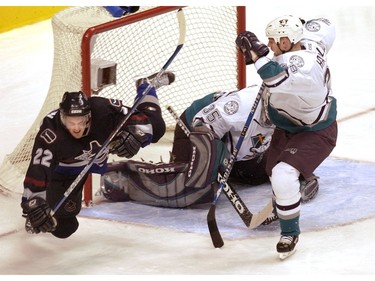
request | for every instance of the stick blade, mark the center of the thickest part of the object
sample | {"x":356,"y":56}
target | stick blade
{"x":261,"y":216}
{"x":216,"y":238}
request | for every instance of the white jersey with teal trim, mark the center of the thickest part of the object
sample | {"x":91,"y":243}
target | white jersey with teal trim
{"x":229,"y":113}
{"x":303,"y":95}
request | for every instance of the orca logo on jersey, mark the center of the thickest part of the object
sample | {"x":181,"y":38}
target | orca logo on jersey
{"x":88,"y":154}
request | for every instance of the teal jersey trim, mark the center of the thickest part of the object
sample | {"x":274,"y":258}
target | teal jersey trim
{"x":286,"y":124}
{"x":197,"y":106}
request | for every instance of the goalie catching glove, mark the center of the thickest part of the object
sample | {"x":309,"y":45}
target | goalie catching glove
{"x":128,"y":142}
{"x":251,"y":47}
{"x":38,"y":216}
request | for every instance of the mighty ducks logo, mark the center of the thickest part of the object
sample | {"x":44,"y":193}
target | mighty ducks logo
{"x":283,"y":22}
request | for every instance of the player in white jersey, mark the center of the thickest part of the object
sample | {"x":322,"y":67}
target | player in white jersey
{"x":301,"y":106}
{"x":224,"y":114}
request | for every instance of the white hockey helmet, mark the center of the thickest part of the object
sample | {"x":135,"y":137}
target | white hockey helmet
{"x":285,"y":26}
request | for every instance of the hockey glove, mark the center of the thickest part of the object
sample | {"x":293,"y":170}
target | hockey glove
{"x":38,"y":216}
{"x":251,"y":47}
{"x":127,"y":143}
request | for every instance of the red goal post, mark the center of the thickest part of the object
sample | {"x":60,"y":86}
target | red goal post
{"x":209,"y":60}
{"x":103,"y":55}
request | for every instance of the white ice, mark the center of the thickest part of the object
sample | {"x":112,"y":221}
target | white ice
{"x":107,"y":247}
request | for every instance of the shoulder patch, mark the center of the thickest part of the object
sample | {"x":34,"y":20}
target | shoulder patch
{"x":231,"y":107}
{"x":312,"y":26}
{"x":48,"y":136}
{"x":297,"y":61}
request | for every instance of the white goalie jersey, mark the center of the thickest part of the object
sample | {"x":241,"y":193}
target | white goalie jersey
{"x":226,"y":117}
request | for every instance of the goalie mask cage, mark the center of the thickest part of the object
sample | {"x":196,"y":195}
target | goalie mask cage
{"x":133,"y":46}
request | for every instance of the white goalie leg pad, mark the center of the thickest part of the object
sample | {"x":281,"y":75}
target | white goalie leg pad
{"x":285,"y":185}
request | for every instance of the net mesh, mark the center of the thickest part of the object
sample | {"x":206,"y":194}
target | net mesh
{"x":206,"y":63}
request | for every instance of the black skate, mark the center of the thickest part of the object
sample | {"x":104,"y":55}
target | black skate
{"x":286,"y":246}
{"x":273,"y":216}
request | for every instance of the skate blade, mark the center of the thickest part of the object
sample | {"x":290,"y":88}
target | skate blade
{"x":283,"y":256}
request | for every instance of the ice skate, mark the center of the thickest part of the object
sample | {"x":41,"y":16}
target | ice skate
{"x":309,"y":189}
{"x":273,"y":216}
{"x":165,"y":79}
{"x":286,"y":246}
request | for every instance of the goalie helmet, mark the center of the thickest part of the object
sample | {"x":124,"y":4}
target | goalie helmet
{"x":285,"y":26}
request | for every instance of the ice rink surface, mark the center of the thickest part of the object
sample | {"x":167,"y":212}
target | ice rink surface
{"x":133,"y":239}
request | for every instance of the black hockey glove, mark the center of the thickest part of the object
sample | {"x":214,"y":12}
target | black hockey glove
{"x":247,"y":42}
{"x":38,"y":216}
{"x":127,"y":143}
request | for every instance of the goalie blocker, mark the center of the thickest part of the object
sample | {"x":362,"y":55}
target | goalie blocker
{"x":175,"y":185}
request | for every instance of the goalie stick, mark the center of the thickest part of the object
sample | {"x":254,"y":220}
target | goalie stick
{"x":250,"y":220}
{"x":181,"y":40}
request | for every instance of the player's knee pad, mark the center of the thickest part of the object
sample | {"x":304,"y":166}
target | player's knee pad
{"x":285,"y":184}
{"x":65,"y":227}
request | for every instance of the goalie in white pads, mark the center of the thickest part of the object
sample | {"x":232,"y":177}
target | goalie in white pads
{"x":301,"y":106}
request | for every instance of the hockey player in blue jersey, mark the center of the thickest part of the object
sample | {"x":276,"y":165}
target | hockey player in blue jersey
{"x":301,"y":106}
{"x":67,"y":140}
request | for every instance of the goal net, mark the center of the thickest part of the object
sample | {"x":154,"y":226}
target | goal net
{"x":104,"y":55}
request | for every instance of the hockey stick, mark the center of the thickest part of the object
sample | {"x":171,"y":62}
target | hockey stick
{"x":82,"y":174}
{"x":250,"y":220}
{"x":233,"y":197}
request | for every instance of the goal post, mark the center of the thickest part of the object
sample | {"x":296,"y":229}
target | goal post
{"x":104,"y":56}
